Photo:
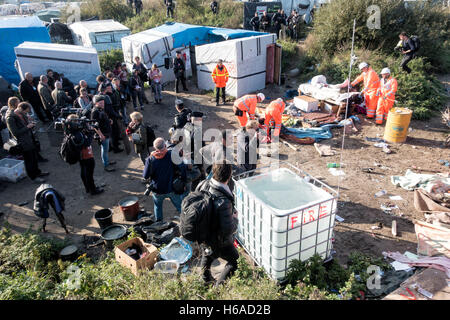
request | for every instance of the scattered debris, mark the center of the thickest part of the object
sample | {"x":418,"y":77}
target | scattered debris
{"x":381,"y":145}
{"x":380,"y":193}
{"x":374,"y":140}
{"x":444,"y":162}
{"x":377,"y":227}
{"x":394,"y":228}
{"x":335,"y":172}
{"x":388,"y":207}
{"x":387,"y":150}
{"x":23,"y":203}
{"x":324,"y":150}
{"x":395,"y":198}
{"x":340,"y":219}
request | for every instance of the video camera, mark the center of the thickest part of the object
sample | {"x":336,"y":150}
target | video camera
{"x":81,"y":124}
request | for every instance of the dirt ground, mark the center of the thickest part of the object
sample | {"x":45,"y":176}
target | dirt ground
{"x":357,"y":204}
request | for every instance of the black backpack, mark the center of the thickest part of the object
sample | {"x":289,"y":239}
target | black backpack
{"x":197,"y":215}
{"x":416,"y":41}
{"x":70,"y":152}
{"x":150,"y":135}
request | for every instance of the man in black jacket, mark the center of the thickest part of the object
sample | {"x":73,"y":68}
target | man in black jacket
{"x":105,"y":130}
{"x":408,"y":50}
{"x":137,"y":90}
{"x":276,"y":22}
{"x":214,"y":7}
{"x":183,"y":116}
{"x":111,"y":106}
{"x":179,"y":70}
{"x":30,"y":94}
{"x":265,"y":22}
{"x":254,"y":22}
{"x":169,"y":6}
{"x":225,"y":222}
{"x":142,"y":70}
{"x":21,"y":130}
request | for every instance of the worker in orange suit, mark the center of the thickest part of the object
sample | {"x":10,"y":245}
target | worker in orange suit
{"x":371,"y":85}
{"x":247,"y":105}
{"x":273,"y":118}
{"x":220,"y":78}
{"x":386,"y":95}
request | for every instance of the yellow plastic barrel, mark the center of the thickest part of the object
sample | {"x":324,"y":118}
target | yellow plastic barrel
{"x":397,"y":125}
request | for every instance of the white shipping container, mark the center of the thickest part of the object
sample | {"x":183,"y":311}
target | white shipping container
{"x":12,"y":170}
{"x":76,"y":62}
{"x":284,"y":214}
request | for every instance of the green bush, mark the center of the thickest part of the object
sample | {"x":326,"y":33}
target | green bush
{"x":30,"y":269}
{"x":106,"y":9}
{"x":188,"y":11}
{"x":109,"y":58}
{"x":334,"y":22}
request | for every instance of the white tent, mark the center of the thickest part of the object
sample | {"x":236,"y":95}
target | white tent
{"x":76,"y":62}
{"x":151,"y":47}
{"x":245,"y":60}
{"x":101,"y":34}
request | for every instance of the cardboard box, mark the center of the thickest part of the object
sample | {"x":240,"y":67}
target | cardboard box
{"x":306,"y":104}
{"x":331,"y":108}
{"x":144,"y":263}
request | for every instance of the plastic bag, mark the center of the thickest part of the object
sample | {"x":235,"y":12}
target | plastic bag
{"x":178,"y":250}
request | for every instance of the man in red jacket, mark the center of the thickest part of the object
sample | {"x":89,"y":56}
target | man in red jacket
{"x":220,"y":78}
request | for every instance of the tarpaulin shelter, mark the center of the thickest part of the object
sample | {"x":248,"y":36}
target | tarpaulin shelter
{"x":101,"y":34}
{"x":159,"y":45}
{"x":14,"y":31}
{"x":76,"y":62}
{"x":245,"y":60}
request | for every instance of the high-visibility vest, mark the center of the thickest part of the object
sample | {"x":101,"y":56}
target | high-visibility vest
{"x":388,"y":88}
{"x":371,"y":81}
{"x":247,"y":104}
{"x":220,"y":77}
{"x":273,"y":116}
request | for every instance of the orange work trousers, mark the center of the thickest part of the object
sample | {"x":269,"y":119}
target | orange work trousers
{"x":371,"y":104}
{"x":383,"y":107}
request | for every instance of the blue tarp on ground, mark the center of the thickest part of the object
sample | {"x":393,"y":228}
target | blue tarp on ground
{"x":13,"y":32}
{"x":185,"y":35}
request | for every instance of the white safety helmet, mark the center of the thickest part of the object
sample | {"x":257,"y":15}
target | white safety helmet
{"x":386,"y":71}
{"x":363,"y":65}
{"x":261,"y":96}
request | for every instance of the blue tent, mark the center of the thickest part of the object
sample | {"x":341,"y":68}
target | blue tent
{"x":14,"y":31}
{"x":185,"y":35}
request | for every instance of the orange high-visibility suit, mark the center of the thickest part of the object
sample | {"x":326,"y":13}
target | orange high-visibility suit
{"x":371,"y":85}
{"x":220,"y":77}
{"x":247,"y":104}
{"x":273,"y":116}
{"x":386,"y":98}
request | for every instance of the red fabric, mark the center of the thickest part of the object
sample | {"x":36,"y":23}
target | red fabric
{"x":86,"y":153}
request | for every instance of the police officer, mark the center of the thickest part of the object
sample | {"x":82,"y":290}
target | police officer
{"x":254,"y":22}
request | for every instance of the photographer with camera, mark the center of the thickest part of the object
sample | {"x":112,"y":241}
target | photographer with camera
{"x":82,"y":134}
{"x":98,"y":114}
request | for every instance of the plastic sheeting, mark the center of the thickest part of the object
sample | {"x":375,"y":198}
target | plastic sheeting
{"x":76,"y":62}
{"x":14,"y":31}
{"x":245,"y":60}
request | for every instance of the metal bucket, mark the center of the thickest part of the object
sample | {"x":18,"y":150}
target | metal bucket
{"x":129,"y":207}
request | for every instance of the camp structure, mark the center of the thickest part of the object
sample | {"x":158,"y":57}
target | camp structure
{"x":251,"y":63}
{"x":101,"y":34}
{"x":75,"y":62}
{"x":47,"y":14}
{"x":159,"y":45}
{"x":14,"y":31}
{"x":8,"y":9}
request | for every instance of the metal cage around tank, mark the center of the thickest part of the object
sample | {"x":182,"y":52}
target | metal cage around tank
{"x":270,"y":244}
